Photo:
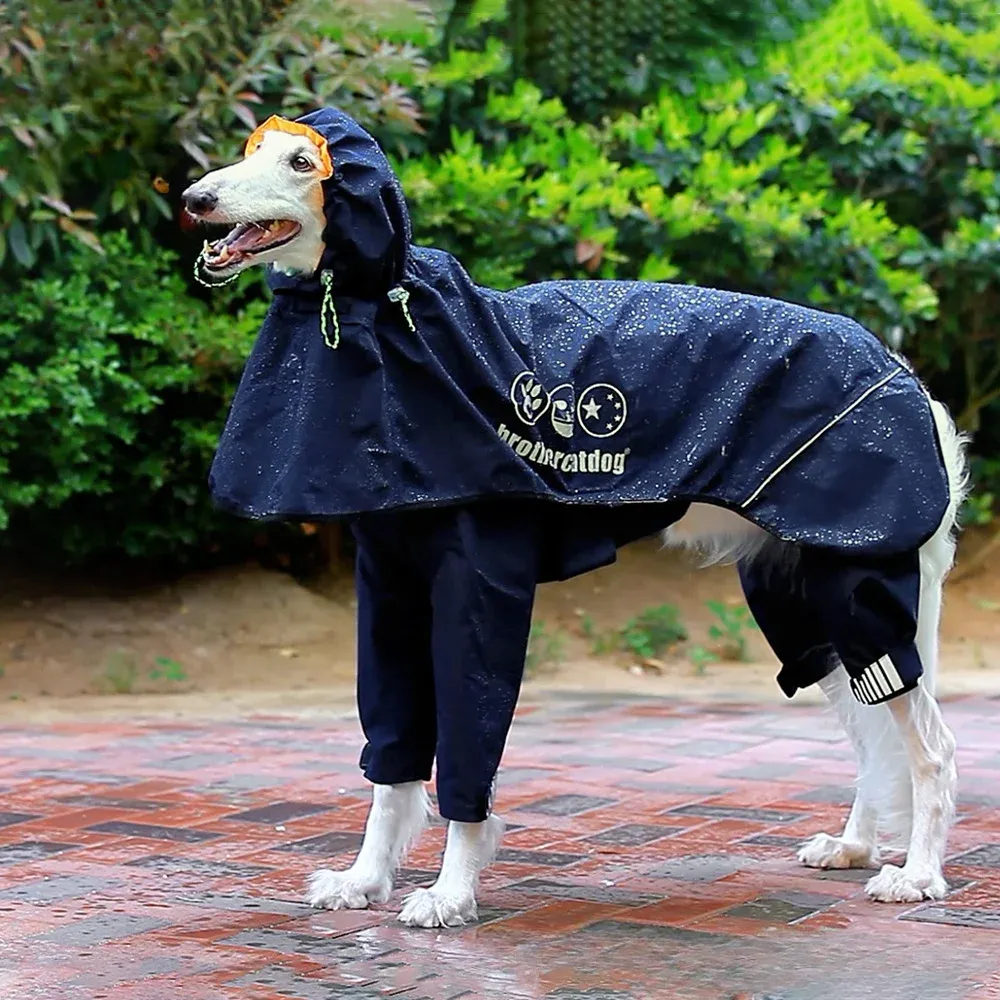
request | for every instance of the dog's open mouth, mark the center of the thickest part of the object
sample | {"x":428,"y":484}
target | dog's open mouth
{"x":247,"y":240}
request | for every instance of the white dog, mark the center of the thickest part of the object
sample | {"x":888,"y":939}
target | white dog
{"x":289,"y":211}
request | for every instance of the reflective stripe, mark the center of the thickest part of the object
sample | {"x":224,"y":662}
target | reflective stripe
{"x":892,"y":674}
{"x":836,"y":420}
{"x":878,"y":682}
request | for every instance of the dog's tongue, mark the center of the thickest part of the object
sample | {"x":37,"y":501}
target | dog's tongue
{"x":250,"y":236}
{"x":247,"y":236}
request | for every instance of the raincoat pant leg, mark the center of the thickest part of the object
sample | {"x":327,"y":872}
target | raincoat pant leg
{"x":482,"y":592}
{"x":791,"y":623}
{"x":870,"y":613}
{"x":830,"y":610}
{"x":395,"y":673}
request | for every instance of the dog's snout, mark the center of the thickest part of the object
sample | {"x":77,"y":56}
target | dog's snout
{"x":199,"y":202}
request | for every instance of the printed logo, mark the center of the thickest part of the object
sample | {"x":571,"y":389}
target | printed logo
{"x":600,"y":410}
{"x":529,"y":398}
{"x":562,"y":410}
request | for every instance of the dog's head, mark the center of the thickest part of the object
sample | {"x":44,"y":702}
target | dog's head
{"x":316,"y":193}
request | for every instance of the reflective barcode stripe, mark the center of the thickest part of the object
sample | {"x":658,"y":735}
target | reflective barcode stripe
{"x":877,"y":682}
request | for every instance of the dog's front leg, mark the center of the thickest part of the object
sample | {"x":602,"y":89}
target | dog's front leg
{"x":397,"y":817}
{"x":451,"y":900}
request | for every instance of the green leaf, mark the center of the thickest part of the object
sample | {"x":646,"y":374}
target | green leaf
{"x":17,"y":240}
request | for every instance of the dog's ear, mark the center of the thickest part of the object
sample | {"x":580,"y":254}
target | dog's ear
{"x":278,"y":124}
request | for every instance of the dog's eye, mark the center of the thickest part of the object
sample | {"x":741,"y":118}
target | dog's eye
{"x":301,"y":163}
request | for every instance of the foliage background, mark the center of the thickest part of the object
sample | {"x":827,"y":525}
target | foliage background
{"x":841,"y":153}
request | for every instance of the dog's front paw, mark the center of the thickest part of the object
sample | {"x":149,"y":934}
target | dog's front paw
{"x":435,"y":907}
{"x":900,"y":885}
{"x":349,"y":890}
{"x":824,"y":851}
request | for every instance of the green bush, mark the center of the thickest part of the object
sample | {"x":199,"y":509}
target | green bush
{"x":855,"y":167}
{"x":114,"y":379}
{"x":592,"y":53}
{"x":875,"y":192}
{"x":653,"y":631}
{"x":101,"y":103}
{"x":113,"y":390}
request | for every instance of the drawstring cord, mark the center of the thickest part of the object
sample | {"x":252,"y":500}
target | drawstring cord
{"x":199,"y":261}
{"x":402,"y":296}
{"x":328,"y":311}
{"x":328,"y":308}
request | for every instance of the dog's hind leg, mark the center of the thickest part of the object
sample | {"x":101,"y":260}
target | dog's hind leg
{"x":857,"y":846}
{"x":930,"y":751}
{"x":397,"y":817}
{"x":930,"y":748}
{"x":929,"y":743}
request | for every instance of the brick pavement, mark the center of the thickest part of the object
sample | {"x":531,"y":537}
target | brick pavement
{"x":650,"y":855}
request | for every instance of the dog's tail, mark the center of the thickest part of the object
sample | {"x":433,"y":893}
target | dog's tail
{"x":938,"y":554}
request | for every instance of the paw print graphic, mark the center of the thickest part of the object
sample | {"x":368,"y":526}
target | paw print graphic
{"x":529,"y":397}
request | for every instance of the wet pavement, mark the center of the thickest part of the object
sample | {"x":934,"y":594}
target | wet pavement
{"x":650,"y":854}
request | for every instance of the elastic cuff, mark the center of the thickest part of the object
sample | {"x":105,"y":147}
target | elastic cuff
{"x":888,"y":677}
{"x":461,"y":813}
{"x":392,"y":772}
{"x":462,"y":808}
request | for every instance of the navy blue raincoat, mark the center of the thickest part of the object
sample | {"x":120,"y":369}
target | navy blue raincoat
{"x":602,"y":408}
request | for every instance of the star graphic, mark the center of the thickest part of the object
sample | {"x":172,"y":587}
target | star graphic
{"x":592,"y":409}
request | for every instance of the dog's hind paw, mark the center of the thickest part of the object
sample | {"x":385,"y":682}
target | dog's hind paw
{"x":824,"y":851}
{"x":349,"y":890}
{"x":436,"y":907}
{"x":897,"y":885}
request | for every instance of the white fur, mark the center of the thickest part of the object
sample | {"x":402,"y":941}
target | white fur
{"x":264,"y":186}
{"x":717,"y":535}
{"x":857,"y":846}
{"x":451,"y":900}
{"x":930,"y":748}
{"x":906,"y":753}
{"x":398,"y":815}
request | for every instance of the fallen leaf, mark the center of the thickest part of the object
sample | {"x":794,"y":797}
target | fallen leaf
{"x":34,"y":37}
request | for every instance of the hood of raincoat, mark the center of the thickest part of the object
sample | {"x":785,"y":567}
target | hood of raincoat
{"x":368,"y":232}
{"x":390,"y":380}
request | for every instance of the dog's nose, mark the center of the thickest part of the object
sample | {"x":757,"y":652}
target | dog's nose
{"x":199,"y":202}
